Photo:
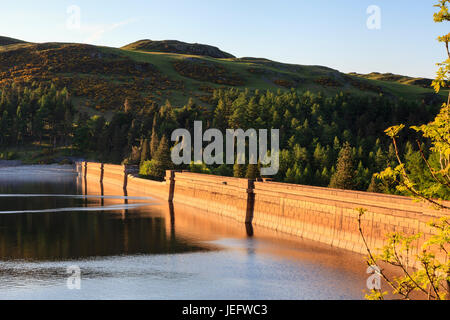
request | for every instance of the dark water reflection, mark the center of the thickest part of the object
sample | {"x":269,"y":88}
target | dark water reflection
{"x":70,"y":234}
{"x":130,"y":246}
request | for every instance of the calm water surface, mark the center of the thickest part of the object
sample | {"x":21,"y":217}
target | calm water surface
{"x":130,"y":246}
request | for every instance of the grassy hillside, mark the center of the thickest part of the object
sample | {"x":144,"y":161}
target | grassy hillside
{"x":100,"y":79}
{"x":317,"y":109}
{"x":422,"y":82}
{"x":173,"y":46}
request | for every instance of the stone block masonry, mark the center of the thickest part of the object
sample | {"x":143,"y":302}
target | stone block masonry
{"x":230,"y":197}
{"x":320,"y":214}
{"x":329,"y":215}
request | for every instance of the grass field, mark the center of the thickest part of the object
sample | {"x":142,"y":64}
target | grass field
{"x":164,"y":62}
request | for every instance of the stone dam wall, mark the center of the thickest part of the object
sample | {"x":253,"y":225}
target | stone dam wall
{"x":320,"y":214}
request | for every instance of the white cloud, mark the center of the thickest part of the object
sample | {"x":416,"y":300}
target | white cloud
{"x":96,"y":32}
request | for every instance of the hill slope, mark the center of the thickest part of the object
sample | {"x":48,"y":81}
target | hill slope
{"x":174,"y":46}
{"x":4,"y":41}
{"x":101,"y":78}
{"x":422,"y":82}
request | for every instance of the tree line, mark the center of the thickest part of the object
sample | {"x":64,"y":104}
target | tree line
{"x":333,"y":141}
{"x":35,"y":114}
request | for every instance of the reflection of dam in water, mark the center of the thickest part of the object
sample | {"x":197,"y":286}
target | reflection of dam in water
{"x":129,"y":245}
{"x":324,"y":215}
{"x":190,"y":219}
{"x":193,"y":223}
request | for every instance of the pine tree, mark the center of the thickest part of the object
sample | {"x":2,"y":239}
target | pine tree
{"x":239,"y":170}
{"x":221,"y":116}
{"x":344,"y":177}
{"x":325,"y":178}
{"x":380,"y":160}
{"x":162,"y":160}
{"x":163,"y":153}
{"x":362,"y":177}
{"x":320,"y":156}
{"x":145,"y":152}
{"x":252,"y":112}
{"x":375,"y":185}
{"x":252,"y":172}
{"x":391,"y":156}
{"x":290,"y":176}
{"x":336,"y":144}
{"x":154,"y":142}
{"x":306,"y":176}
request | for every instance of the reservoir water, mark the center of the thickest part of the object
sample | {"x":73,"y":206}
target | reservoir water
{"x":131,"y":246}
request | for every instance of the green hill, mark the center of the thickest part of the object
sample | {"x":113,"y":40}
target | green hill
{"x":100,"y":79}
{"x":174,"y":46}
{"x":422,"y":82}
{"x":317,"y":109}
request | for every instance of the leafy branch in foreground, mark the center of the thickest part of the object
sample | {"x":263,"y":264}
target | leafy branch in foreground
{"x":426,"y":273}
{"x":430,"y":277}
{"x":438,"y":132}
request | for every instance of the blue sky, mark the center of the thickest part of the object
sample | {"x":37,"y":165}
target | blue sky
{"x":332,"y":33}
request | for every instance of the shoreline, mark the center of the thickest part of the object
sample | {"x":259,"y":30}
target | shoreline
{"x":10,"y":163}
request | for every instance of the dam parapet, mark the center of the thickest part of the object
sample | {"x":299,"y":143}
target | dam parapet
{"x":325,"y":215}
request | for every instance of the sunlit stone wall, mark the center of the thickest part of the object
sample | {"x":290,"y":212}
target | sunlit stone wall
{"x":320,"y":214}
{"x":330,"y":215}
{"x":230,"y":197}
